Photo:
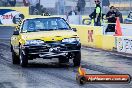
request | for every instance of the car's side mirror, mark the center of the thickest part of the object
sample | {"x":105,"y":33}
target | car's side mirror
{"x":16,"y":32}
{"x":74,"y":29}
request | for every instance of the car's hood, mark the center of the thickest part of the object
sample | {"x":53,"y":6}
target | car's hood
{"x":49,"y":35}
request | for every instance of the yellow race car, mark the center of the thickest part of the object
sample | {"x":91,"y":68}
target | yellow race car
{"x":45,"y":37}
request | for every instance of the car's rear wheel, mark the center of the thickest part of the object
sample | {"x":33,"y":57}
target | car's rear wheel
{"x":15,"y":59}
{"x":23,"y":58}
{"x":63,"y":59}
{"x":77,"y":58}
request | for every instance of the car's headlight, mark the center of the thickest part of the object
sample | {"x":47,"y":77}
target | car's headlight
{"x":70,"y":40}
{"x":34,"y":42}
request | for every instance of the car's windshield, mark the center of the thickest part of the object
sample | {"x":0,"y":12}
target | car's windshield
{"x":44,"y":24}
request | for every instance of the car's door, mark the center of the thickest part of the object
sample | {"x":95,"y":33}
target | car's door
{"x":15,"y":38}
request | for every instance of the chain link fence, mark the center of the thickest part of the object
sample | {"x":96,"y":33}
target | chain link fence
{"x":84,"y":7}
{"x":62,"y":7}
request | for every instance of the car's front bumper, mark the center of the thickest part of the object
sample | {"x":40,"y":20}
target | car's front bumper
{"x":49,"y":50}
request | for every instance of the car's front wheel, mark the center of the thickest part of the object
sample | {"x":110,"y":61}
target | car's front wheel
{"x":77,"y":58}
{"x":15,"y":59}
{"x":23,"y":58}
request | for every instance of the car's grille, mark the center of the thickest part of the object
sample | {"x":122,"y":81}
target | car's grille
{"x":61,"y":47}
{"x":37,"y":49}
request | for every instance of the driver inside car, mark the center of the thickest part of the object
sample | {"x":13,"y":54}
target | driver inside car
{"x":32,"y":26}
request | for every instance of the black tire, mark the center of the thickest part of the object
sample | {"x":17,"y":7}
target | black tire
{"x":63,"y":59}
{"x":15,"y":59}
{"x":77,"y":58}
{"x":23,"y":58}
{"x":82,"y":80}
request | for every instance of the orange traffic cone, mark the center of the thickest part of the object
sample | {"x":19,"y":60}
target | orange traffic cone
{"x":81,"y":71}
{"x":118,"y":31}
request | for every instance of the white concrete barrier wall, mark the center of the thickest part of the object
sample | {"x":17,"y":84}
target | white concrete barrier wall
{"x":127,"y":29}
{"x":124,"y":44}
{"x":75,"y":19}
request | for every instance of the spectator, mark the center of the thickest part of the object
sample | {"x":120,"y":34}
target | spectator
{"x":97,"y":14}
{"x":1,"y":3}
{"x":105,"y":5}
{"x":119,"y":14}
{"x":25,"y":2}
{"x":12,"y":2}
{"x":33,"y":6}
{"x":72,"y":12}
{"x":61,"y":7}
{"x":4,"y":3}
{"x":44,"y":12}
{"x":111,"y":17}
{"x":81,"y":5}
